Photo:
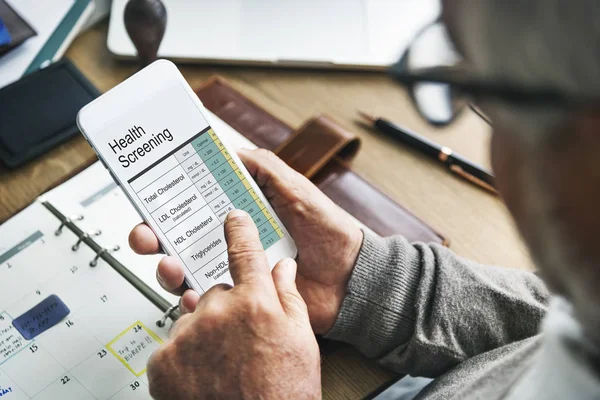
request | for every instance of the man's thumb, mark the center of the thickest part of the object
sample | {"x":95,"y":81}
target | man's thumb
{"x":284,"y":277}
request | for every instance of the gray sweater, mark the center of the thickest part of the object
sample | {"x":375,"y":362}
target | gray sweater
{"x":477,"y":330}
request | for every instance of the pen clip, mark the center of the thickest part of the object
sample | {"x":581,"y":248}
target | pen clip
{"x":462,"y":173}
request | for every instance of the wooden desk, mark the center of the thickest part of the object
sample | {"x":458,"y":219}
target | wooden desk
{"x":476,"y":222}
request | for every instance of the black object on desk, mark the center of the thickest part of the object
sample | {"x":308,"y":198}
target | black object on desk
{"x":18,"y":28}
{"x":146,"y":22}
{"x":39,"y":111}
{"x":456,"y":163}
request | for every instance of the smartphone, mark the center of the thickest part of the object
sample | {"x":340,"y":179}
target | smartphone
{"x":153,"y":135}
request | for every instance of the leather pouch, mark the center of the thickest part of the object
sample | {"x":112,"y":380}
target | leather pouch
{"x":322,"y":151}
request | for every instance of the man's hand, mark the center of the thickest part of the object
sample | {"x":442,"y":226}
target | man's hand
{"x":328,"y":240}
{"x":250,"y":341}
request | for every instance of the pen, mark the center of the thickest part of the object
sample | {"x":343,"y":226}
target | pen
{"x":454,"y":162}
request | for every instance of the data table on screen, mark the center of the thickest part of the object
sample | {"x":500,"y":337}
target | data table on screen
{"x":189,"y":193}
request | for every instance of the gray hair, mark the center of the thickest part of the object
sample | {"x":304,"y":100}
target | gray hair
{"x":549,"y":43}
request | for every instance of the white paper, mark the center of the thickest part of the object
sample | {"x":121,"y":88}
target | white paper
{"x":100,"y":348}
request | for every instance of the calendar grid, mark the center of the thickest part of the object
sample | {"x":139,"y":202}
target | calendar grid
{"x":71,"y":360}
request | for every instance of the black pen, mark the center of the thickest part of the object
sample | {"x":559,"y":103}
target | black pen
{"x":455,"y":162}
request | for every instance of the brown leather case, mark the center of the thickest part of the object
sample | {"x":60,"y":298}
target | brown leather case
{"x":321,"y":150}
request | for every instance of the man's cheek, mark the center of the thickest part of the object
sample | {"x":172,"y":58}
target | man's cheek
{"x":501,"y":155}
{"x":511,"y":168}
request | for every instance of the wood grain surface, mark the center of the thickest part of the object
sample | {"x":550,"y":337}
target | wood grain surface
{"x":476,"y":222}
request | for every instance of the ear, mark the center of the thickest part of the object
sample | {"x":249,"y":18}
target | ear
{"x":574,"y":189}
{"x":569,"y":174}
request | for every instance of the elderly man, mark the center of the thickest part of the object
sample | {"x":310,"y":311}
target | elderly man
{"x":478,"y":331}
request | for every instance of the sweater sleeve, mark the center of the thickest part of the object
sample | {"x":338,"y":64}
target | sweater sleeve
{"x":421,"y":309}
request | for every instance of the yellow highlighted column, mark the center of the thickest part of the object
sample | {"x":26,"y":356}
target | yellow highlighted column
{"x":274,"y":224}
{"x":267,"y":213}
{"x":260,"y":203}
{"x":239,"y":173}
{"x":220,"y":145}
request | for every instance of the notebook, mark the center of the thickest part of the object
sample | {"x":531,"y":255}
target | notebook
{"x":80,"y":313}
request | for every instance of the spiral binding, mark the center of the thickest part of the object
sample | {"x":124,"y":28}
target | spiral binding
{"x":66,"y":221}
{"x":163,"y":321}
{"x":96,"y":232}
{"x":99,"y":254}
{"x":169,"y":310}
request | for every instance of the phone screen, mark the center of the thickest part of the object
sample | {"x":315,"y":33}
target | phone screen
{"x":184,"y":181}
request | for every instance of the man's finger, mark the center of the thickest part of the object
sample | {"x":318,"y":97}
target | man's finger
{"x":170,"y":275}
{"x":188,"y":301}
{"x":270,"y":172}
{"x":181,"y":323}
{"x":143,"y":241}
{"x":284,"y":277}
{"x":247,"y":259}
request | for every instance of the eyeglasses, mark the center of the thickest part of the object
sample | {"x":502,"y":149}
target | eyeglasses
{"x":501,"y":90}
{"x":432,"y":62}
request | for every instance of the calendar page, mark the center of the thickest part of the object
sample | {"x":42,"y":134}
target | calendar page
{"x":68,"y":330}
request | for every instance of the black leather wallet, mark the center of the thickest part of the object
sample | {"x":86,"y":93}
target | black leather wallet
{"x":39,"y":111}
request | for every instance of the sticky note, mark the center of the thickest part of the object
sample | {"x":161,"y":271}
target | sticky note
{"x":41,"y":317}
{"x":134,"y":346}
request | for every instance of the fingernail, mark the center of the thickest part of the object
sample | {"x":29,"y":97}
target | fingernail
{"x":181,"y":306}
{"x":289,"y":267}
{"x":159,"y":278}
{"x":237,"y":214}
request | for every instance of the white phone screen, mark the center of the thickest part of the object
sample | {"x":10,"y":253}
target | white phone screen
{"x":184,"y":181}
